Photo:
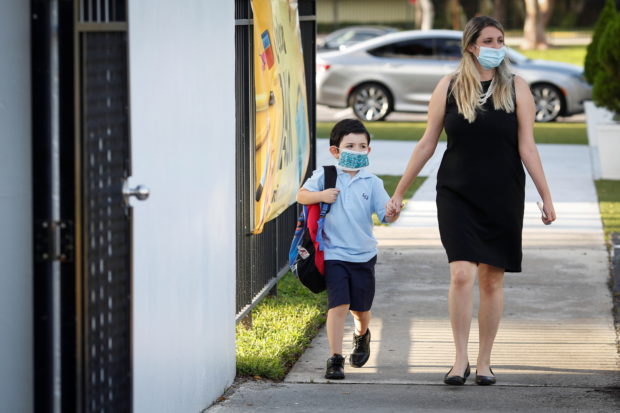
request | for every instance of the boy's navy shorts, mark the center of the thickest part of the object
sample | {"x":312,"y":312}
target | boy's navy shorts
{"x":350,"y":283}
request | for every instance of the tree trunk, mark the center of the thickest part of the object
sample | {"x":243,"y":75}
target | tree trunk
{"x":335,"y":14}
{"x":537,"y":15}
{"x":546,"y":8}
{"x":428,"y":14}
{"x":529,"y":26}
{"x":485,"y":8}
{"x":576,"y":6}
{"x":455,"y":13}
{"x":418,"y":15}
{"x":499,"y":10}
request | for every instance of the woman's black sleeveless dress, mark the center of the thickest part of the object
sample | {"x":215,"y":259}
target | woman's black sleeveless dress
{"x":481,"y":188}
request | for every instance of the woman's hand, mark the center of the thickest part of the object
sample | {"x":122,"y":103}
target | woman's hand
{"x":549,"y":213}
{"x":394,"y":205}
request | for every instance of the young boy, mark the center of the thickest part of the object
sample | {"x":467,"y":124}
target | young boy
{"x":350,"y":247}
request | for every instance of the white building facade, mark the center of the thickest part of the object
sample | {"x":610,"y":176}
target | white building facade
{"x":180,"y":120}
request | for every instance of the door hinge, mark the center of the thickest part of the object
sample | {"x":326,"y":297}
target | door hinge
{"x":54,"y":241}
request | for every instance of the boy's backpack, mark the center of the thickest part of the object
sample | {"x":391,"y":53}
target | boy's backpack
{"x":305,"y":258}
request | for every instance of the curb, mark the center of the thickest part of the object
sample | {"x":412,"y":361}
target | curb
{"x":615,"y":279}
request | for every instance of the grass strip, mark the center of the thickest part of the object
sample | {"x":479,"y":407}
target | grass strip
{"x":609,"y":204}
{"x":282,"y":327}
{"x":556,"y":133}
{"x":575,"y":55}
{"x":395,"y":131}
{"x":390,"y":182}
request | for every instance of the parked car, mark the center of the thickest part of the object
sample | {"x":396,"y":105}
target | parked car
{"x":398,"y":72}
{"x":343,"y":38}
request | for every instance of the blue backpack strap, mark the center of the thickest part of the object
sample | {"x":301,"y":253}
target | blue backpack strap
{"x":299,"y":230}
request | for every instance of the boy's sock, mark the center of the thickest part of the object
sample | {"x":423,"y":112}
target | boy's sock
{"x":361,"y":349}
{"x":335,"y":367}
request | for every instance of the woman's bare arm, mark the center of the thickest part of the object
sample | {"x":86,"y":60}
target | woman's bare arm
{"x":527,"y":146}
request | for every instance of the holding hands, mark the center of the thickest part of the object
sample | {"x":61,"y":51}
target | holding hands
{"x":394,"y":205}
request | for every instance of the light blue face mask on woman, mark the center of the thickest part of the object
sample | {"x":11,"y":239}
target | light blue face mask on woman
{"x":352,"y":161}
{"x":490,"y":57}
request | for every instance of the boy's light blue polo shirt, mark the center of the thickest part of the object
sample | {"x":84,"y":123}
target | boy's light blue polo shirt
{"x":348,"y":225}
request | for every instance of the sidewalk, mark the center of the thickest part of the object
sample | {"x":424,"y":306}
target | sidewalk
{"x":556,"y":349}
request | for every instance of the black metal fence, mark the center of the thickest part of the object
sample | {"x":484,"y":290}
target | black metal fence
{"x":82,"y":263}
{"x":262,"y":258}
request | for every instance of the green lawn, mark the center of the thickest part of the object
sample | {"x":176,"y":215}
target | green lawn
{"x":566,"y":133}
{"x":609,"y":203}
{"x":568,"y":54}
{"x":282,"y":327}
{"x":553,"y":132}
{"x":390,"y":182}
{"x":397,"y":131}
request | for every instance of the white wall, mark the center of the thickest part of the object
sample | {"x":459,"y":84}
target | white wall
{"x":183,"y":148}
{"x":16,"y":362}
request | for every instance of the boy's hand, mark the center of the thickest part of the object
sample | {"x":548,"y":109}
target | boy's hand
{"x":389,"y":218}
{"x":330,"y":195}
{"x":394,"y":206}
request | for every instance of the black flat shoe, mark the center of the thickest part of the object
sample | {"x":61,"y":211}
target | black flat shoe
{"x":457,"y":380}
{"x":486,"y":380}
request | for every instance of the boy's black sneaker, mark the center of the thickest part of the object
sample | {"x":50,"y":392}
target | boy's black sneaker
{"x":361,"y":349}
{"x":335,"y":367}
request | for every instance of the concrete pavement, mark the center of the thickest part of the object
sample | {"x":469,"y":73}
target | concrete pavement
{"x":556,"y":349}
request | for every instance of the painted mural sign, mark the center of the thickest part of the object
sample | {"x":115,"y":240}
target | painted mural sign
{"x":282,"y":149}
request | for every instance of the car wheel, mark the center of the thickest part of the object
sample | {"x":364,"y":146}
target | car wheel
{"x":548,"y":100}
{"x":371,"y":102}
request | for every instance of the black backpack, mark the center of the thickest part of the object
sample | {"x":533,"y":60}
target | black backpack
{"x":305,"y":257}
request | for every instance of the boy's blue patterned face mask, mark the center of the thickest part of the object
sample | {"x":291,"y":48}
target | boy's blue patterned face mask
{"x":351,"y":160}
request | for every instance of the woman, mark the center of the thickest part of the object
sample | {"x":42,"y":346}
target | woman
{"x":488,"y":114}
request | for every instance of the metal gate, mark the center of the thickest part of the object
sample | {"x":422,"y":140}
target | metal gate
{"x":262,"y":259}
{"x":83,"y":232}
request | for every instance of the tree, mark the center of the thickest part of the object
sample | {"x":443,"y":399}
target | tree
{"x":424,"y":14}
{"x":592,"y":64}
{"x":606,"y":89}
{"x":499,"y":10}
{"x":456,"y":15}
{"x":537,"y":15}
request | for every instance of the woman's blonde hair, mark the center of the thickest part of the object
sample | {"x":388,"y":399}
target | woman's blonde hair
{"x":466,"y":87}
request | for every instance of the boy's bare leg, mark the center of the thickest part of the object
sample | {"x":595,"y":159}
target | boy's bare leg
{"x":335,"y":327}
{"x":361,"y":320}
{"x":462,"y":278}
{"x":491,"y":285}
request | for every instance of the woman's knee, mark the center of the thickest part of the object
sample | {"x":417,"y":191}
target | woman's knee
{"x":491,"y":284}
{"x":462,"y":275}
{"x":490,"y":279}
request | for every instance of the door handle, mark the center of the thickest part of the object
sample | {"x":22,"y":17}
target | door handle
{"x":140,"y":192}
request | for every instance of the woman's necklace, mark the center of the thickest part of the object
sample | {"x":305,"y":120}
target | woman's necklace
{"x":483,"y":98}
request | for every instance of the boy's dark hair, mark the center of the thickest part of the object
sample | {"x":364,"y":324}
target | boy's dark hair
{"x":344,"y":127}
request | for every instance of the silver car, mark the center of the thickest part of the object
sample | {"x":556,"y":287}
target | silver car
{"x":347,"y":37}
{"x":398,"y":72}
